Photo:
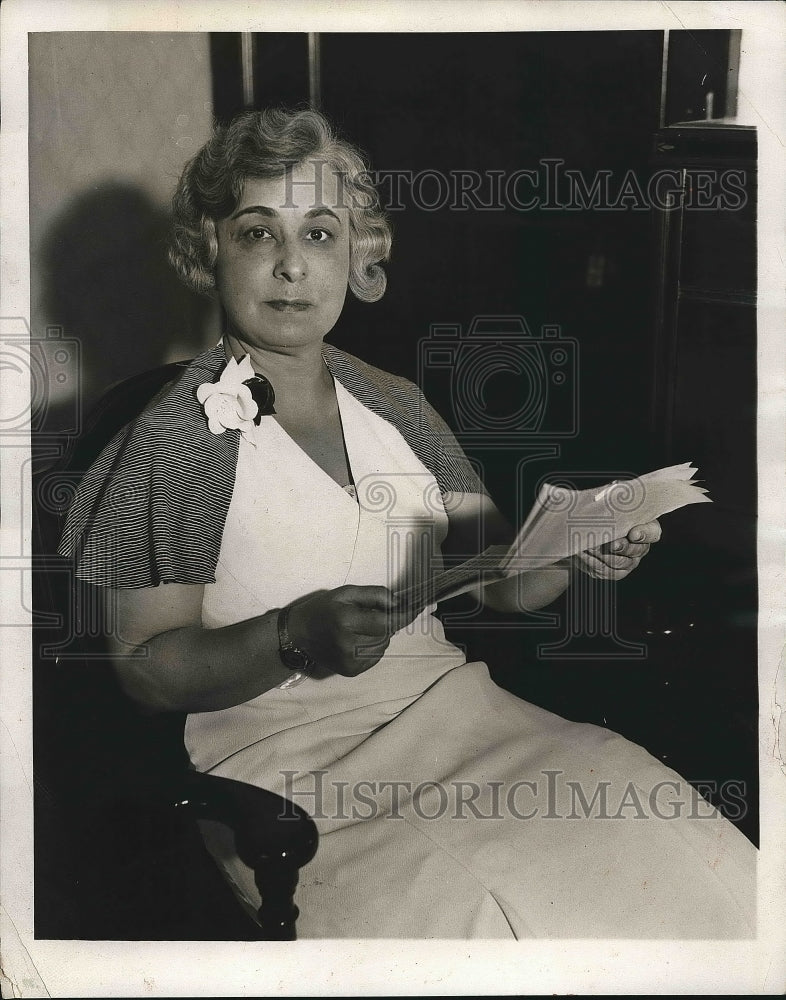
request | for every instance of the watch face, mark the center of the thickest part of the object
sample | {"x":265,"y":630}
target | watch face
{"x":294,"y":658}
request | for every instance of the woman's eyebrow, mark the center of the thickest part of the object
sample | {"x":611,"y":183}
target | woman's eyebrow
{"x":271,"y":212}
{"x":254,"y":210}
{"x":312,"y":213}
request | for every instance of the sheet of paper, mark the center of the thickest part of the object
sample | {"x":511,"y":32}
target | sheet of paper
{"x":563,"y":522}
{"x":456,"y":580}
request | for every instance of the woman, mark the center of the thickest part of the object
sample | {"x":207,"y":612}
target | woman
{"x":254,"y":552}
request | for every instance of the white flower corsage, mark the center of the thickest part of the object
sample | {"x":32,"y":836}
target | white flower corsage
{"x":238,"y":400}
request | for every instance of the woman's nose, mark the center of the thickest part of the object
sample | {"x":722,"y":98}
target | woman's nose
{"x":291,"y":264}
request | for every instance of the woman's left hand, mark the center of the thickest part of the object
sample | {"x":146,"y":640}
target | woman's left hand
{"x":614,"y":560}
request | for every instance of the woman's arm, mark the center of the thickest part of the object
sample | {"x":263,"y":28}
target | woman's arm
{"x":171,"y":663}
{"x":180,"y":666}
{"x":475,"y":523}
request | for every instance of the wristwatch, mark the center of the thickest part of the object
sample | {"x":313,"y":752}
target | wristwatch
{"x":291,"y":655}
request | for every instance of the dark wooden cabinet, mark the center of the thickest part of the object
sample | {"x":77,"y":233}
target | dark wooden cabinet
{"x":704,"y":399}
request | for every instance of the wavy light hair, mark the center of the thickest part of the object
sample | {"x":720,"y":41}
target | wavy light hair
{"x":266,"y":144}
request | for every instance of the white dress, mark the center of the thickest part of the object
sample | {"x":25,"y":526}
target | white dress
{"x":446,"y":807}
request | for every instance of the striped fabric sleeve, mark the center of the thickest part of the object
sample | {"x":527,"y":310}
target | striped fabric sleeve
{"x":152,"y":507}
{"x":454,"y":471}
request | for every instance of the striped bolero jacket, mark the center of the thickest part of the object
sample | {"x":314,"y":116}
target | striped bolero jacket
{"x":152,"y":508}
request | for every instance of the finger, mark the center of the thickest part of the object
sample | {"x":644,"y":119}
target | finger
{"x":610,"y":559}
{"x":357,"y":661}
{"x":648,"y":533}
{"x":368,"y":622}
{"x":369,"y":648}
{"x":606,"y":568}
{"x":374,"y":598}
{"x":634,"y":550}
{"x":616,"y":562}
{"x":592,"y":567}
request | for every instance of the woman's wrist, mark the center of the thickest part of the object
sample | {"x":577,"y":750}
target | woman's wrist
{"x":529,"y":591}
{"x":292,"y":654}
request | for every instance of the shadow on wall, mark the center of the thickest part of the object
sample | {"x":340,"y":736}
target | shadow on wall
{"x":108,"y":284}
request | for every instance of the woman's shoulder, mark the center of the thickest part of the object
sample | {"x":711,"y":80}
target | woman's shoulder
{"x":170,"y":436}
{"x":392,"y":396}
{"x":161,"y":482}
{"x":348,"y":367}
{"x":402,"y":404}
{"x":176,"y":406}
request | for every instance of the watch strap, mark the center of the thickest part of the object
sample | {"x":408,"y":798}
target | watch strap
{"x":292,"y":656}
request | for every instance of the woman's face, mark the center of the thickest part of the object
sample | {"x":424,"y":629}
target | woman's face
{"x":283,"y":258}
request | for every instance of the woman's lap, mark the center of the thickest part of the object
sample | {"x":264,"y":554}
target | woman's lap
{"x":475,"y":814}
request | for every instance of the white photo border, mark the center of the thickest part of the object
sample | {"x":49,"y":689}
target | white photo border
{"x":32,"y":968}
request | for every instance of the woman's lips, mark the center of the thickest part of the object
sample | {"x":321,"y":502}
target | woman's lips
{"x":289,"y":305}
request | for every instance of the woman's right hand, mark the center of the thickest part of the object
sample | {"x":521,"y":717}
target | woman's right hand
{"x":347,"y":630}
{"x":178,"y":665}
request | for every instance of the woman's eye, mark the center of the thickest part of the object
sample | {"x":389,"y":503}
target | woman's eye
{"x":258,"y":233}
{"x":319,"y":235}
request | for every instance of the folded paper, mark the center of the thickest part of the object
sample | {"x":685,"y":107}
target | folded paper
{"x":564,"y":522}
